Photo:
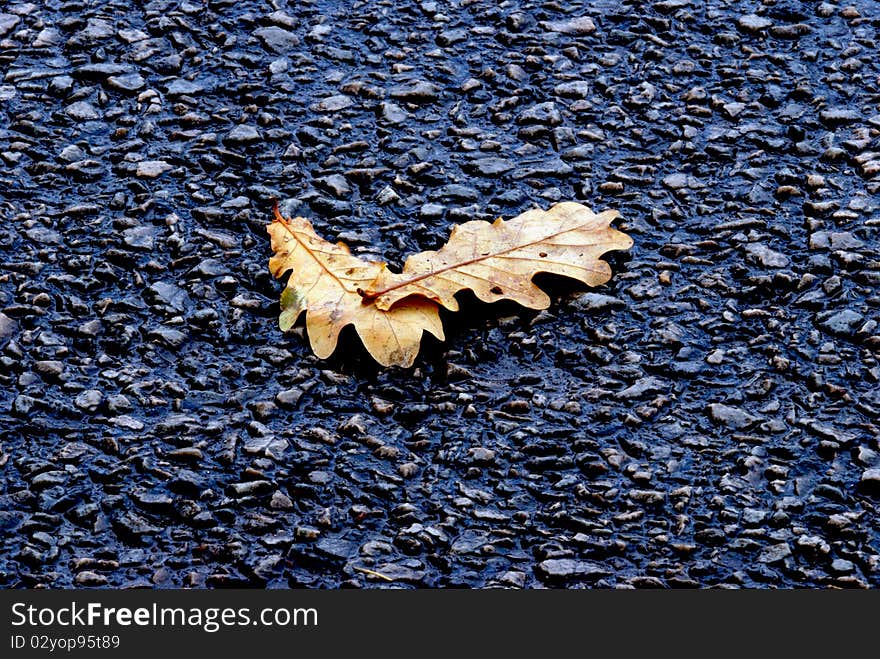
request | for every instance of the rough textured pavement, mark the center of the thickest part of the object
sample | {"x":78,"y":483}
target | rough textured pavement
{"x":708,"y":418}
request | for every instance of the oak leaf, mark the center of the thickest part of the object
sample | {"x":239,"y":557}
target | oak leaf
{"x":324,"y":282}
{"x":497,"y":261}
{"x":391,"y":311}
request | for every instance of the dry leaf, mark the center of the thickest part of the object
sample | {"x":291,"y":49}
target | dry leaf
{"x":391,"y":311}
{"x":324,"y":283}
{"x":497,"y":261}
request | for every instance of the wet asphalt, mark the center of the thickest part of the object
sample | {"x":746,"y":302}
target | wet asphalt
{"x":708,"y":418}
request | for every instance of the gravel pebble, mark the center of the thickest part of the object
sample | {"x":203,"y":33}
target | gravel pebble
{"x":753,"y":22}
{"x":577,"y":26}
{"x":152,"y":168}
{"x":82,"y":111}
{"x":731,"y":416}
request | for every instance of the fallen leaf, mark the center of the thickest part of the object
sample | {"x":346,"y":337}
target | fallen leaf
{"x":324,"y":283}
{"x":497,"y":261}
{"x":391,"y":311}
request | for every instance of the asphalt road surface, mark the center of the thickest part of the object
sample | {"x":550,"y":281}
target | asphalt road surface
{"x":708,"y":418}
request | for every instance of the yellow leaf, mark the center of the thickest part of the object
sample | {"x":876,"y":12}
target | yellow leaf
{"x":497,"y":261}
{"x":324,"y":282}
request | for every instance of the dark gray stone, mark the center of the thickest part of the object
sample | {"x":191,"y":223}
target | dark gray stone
{"x":8,"y":23}
{"x":277,"y":39}
{"x":542,"y":113}
{"x":841,"y":323}
{"x":131,"y":82}
{"x":491,"y":166}
{"x":243,"y":134}
{"x":574,"y":26}
{"x":732,"y":417}
{"x":82,"y":111}
{"x":568,"y":569}
{"x":415,"y":91}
